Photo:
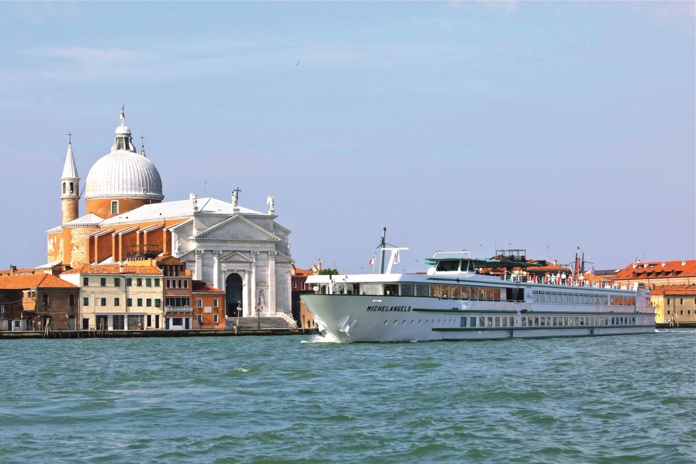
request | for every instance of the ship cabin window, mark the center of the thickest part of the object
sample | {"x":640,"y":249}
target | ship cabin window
{"x":435,"y":291}
{"x":422,"y":290}
{"x":407,"y":289}
{"x":370,"y":289}
{"x":456,"y":292}
{"x":448,"y":266}
{"x":445,"y":291}
{"x":391,"y":289}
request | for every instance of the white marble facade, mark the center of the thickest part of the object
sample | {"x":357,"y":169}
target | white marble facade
{"x":217,"y":245}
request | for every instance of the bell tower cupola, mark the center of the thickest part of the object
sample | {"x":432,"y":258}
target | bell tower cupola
{"x":70,"y":187}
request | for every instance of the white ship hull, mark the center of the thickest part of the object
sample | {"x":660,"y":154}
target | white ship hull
{"x":365,"y":318}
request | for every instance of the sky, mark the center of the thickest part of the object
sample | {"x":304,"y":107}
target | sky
{"x":459,"y":125}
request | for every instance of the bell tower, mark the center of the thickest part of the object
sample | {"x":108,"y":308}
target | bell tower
{"x":70,"y":187}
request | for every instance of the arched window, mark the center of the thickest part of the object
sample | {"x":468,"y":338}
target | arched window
{"x":63,"y":188}
{"x":72,"y":188}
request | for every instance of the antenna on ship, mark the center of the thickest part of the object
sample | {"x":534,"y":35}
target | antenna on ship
{"x":381,"y":255}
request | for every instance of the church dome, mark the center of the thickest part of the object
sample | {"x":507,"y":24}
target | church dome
{"x":123,"y":173}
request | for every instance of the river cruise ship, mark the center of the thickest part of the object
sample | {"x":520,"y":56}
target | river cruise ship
{"x":462,"y":298}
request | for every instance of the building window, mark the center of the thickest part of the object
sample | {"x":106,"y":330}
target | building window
{"x":72,"y":300}
{"x":85,"y":301}
{"x":114,"y":207}
{"x":185,"y":283}
{"x":103,"y":301}
{"x":117,"y":302}
{"x":117,"y":282}
{"x":200,"y":319}
{"x":199,"y":302}
{"x":157,"y":282}
{"x":102,"y":281}
{"x":129,"y":301}
{"x":215,"y":318}
{"x":169,"y":283}
{"x":294,"y":284}
{"x":148,"y":302}
{"x":85,"y":281}
{"x":148,"y":282}
{"x":304,"y":286}
{"x":140,"y":282}
{"x":158,"y":302}
{"x":140,"y":301}
{"x":215,"y":303}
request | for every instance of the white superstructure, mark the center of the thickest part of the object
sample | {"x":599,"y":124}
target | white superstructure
{"x":457,"y":300}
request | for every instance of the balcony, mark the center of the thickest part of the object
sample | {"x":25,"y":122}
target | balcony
{"x":178,"y":309}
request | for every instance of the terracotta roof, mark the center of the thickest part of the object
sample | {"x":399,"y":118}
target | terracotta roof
{"x":674,"y":290}
{"x":296,"y":271}
{"x":594,"y":278}
{"x":115,"y":269}
{"x":202,"y":287}
{"x":26,"y":270}
{"x":657,"y":270}
{"x":38,"y":280}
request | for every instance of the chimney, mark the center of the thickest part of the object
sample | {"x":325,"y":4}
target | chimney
{"x":13,"y":269}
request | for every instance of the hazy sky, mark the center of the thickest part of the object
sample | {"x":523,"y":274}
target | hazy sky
{"x":457,"y":125}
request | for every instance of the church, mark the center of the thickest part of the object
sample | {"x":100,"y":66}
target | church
{"x":243,"y":252}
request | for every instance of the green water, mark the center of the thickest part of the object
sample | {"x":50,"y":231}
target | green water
{"x":288,"y":399}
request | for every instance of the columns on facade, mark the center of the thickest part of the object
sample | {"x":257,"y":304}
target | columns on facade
{"x":247,"y":305}
{"x":253,"y":300}
{"x":272,"y":282}
{"x":198,"y":266}
{"x":216,"y":269}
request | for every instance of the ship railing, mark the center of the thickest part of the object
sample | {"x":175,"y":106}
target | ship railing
{"x":567,"y":282}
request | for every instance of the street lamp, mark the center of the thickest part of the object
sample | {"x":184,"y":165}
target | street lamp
{"x":239,"y":309}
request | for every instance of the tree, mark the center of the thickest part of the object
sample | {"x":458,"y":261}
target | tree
{"x":329,"y":272}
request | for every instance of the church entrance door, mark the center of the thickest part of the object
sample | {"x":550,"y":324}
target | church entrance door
{"x":234,"y":296}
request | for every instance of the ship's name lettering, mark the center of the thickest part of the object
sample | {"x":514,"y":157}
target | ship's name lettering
{"x":402,"y":309}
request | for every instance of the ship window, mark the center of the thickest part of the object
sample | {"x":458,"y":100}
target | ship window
{"x":482,"y":321}
{"x":489,"y":294}
{"x":391,"y":289}
{"x":456,"y":292}
{"x":370,"y":289}
{"x":407,"y":289}
{"x":496,"y":294}
{"x":448,"y":266}
{"x":472,"y":321}
{"x":445,"y":291}
{"x":465,"y":293}
{"x":422,"y":290}
{"x":435,"y":291}
{"x":462,"y":322}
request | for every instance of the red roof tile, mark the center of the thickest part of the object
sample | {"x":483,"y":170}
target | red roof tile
{"x":115,"y":269}
{"x":39,"y":280}
{"x":657,"y":270}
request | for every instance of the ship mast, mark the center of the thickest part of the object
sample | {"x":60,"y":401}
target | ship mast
{"x":381,"y":256}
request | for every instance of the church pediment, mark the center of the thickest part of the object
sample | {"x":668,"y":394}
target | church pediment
{"x":236,"y":257}
{"x":237,"y":229}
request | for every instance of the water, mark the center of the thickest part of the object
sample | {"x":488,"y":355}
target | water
{"x":285,"y":399}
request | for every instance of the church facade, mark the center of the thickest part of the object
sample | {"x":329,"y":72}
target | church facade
{"x":243,"y":252}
